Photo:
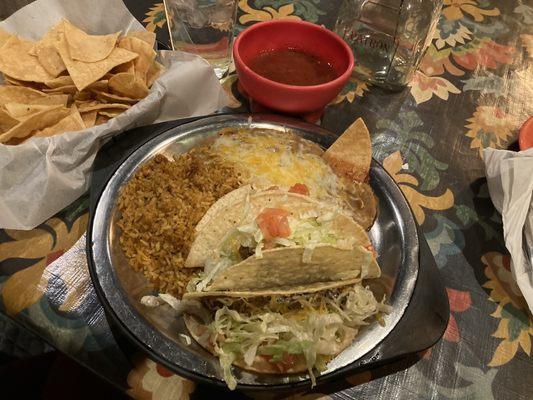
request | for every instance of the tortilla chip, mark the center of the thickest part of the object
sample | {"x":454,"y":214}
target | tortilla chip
{"x":88,"y":48}
{"x":128,"y":85}
{"x":350,"y":155}
{"x":126,"y":67}
{"x":6,"y":121}
{"x":35,"y":122}
{"x":17,"y":63}
{"x":4,"y":36}
{"x":22,"y":111}
{"x":146,"y":55}
{"x":19,"y":94}
{"x":89,"y":118}
{"x":50,"y":38}
{"x":60,"y":81}
{"x":50,"y":59}
{"x":86,"y":103}
{"x":111,"y":113}
{"x":101,"y":106}
{"x":154,"y":72}
{"x":101,"y":85}
{"x":68,"y":89}
{"x":71,"y":123}
{"x":110,"y":97}
{"x":9,"y":81}
{"x":83,"y":74}
{"x":101,"y":119}
{"x":145,"y":36}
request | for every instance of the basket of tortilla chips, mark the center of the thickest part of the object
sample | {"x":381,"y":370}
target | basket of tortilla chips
{"x":83,"y":72}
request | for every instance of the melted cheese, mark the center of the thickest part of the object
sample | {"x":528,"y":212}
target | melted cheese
{"x":269,"y":159}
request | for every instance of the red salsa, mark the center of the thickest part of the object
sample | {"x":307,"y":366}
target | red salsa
{"x":292,"y":67}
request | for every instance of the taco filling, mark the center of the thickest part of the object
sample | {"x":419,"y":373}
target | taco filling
{"x":280,"y":334}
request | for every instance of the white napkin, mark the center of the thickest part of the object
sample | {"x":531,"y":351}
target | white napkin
{"x":510,"y":181}
{"x":42,"y":176}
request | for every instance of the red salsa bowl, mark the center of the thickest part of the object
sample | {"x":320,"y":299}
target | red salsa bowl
{"x":304,"y":37}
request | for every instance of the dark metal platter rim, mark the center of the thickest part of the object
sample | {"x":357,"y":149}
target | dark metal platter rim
{"x":108,"y":290}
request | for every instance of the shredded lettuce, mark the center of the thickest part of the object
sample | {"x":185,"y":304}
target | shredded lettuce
{"x":279,"y":349}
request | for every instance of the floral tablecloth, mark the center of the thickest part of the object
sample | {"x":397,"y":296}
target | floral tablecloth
{"x":473,"y":90}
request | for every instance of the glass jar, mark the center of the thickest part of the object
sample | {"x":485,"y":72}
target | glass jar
{"x":388,"y":37}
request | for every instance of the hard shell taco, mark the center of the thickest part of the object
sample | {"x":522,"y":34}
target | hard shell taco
{"x":271,"y":239}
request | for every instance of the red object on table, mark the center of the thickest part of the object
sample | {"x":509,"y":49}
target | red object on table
{"x":525,"y":137}
{"x":306,"y":37}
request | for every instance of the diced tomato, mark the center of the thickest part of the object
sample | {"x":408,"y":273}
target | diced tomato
{"x":273,"y":223}
{"x":299,"y":188}
{"x":286,"y":363}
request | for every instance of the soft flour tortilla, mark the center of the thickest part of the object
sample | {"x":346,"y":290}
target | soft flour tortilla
{"x":260,"y":364}
{"x":282,"y":267}
{"x":228,"y":213}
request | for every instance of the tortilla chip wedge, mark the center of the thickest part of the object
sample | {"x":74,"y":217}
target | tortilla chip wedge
{"x":145,"y":36}
{"x":128,"y":85}
{"x":89,"y":118}
{"x":113,"y":98}
{"x":351,"y":154}
{"x":82,"y":73}
{"x":70,"y":123}
{"x":146,"y":57}
{"x":21,"y":111}
{"x":4,"y":36}
{"x":26,"y":67}
{"x":50,"y":59}
{"x":20,"y":94}
{"x":50,"y":38}
{"x":88,"y":48}
{"x":37,"y":121}
{"x":6,"y":121}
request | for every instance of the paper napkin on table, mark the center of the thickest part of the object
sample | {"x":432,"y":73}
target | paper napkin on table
{"x":510,"y":181}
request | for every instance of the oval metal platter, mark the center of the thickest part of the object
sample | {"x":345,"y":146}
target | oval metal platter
{"x":161,"y":333}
